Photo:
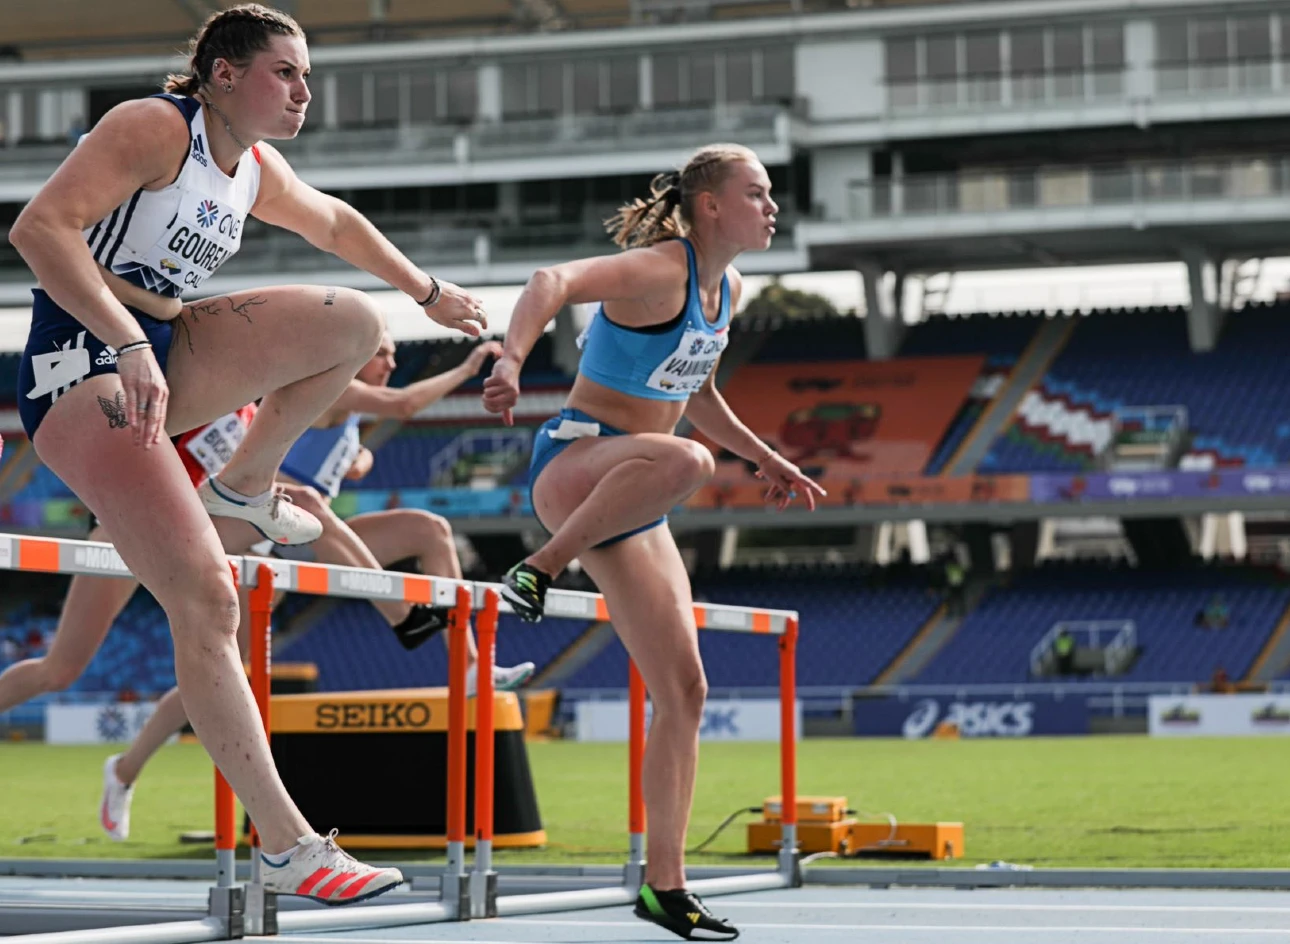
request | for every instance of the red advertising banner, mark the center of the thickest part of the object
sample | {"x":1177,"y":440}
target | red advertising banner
{"x":850,"y":418}
{"x":885,"y":490}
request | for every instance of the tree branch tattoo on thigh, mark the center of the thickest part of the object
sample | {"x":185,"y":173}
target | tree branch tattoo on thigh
{"x":211,"y":308}
{"x":114,"y":410}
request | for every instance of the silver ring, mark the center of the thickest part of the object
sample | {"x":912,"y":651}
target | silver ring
{"x":145,"y":407}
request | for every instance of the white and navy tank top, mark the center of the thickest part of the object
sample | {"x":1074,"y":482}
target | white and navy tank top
{"x":170,"y":241}
{"x":669,"y":361}
{"x":322,"y":457}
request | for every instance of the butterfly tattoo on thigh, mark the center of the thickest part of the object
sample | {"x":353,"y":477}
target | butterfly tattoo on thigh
{"x":114,"y":410}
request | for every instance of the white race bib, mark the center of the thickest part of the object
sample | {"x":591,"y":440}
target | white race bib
{"x":685,"y":370}
{"x":217,"y":443}
{"x":202,"y":235}
{"x":339,"y":461}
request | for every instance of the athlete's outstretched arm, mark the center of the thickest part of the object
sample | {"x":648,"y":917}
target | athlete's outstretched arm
{"x":406,"y":402}
{"x":635,"y":274}
{"x":334,"y":226}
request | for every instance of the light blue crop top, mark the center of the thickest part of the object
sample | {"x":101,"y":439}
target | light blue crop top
{"x":662,"y":362}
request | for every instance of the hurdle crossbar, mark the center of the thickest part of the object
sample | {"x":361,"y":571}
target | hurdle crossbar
{"x":464,"y":895}
{"x":707,"y":616}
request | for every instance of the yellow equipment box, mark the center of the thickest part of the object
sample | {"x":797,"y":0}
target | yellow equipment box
{"x":810,"y":809}
{"x":823,"y":826}
{"x":933,"y":840}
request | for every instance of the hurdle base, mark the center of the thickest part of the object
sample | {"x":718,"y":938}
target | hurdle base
{"x":634,"y":876}
{"x":483,"y":894}
{"x":790,"y":866}
{"x":227,"y":905}
{"x":455,"y":894}
{"x":261,"y":911}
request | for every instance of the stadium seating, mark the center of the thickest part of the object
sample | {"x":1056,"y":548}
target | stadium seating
{"x":1001,"y":338}
{"x":355,"y":650}
{"x":1235,"y":395}
{"x":995,"y":641}
{"x":138,"y":656}
{"x":852,"y":628}
{"x":404,"y":461}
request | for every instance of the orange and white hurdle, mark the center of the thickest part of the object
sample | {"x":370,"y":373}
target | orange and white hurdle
{"x":236,"y":911}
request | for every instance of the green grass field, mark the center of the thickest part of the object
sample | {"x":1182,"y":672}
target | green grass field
{"x":1087,"y":802}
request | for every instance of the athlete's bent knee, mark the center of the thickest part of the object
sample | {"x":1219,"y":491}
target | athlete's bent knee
{"x":363,"y":322}
{"x":689,"y":466}
{"x":434,"y":528}
{"x":209,"y":608}
{"x":684,"y":696}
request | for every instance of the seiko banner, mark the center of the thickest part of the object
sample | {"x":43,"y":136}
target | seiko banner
{"x":972,"y":717}
{"x":1219,"y":715}
{"x":734,"y":720}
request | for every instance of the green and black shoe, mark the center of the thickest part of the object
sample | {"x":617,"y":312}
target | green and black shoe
{"x":524,"y":588}
{"x":421,"y":623}
{"x":683,"y":914}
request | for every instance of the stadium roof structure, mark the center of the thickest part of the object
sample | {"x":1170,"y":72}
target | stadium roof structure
{"x":149,"y":27}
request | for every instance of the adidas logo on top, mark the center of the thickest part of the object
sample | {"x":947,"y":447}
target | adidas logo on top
{"x":107,"y":357}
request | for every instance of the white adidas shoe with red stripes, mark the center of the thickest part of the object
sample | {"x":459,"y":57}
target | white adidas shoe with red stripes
{"x":114,"y":809}
{"x":319,"y":869}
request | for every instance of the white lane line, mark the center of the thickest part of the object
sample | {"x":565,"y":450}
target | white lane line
{"x":957,"y":928}
{"x":949,"y":906}
{"x":337,"y":938}
{"x":886,"y":928}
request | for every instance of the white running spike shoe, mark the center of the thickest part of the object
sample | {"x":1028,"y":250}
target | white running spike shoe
{"x":273,"y":516}
{"x":114,"y":810}
{"x":319,"y":869}
{"x":504,"y":679}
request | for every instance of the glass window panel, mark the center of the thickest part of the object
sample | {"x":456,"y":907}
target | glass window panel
{"x":1108,"y":46}
{"x":1211,"y":39}
{"x":666,"y":80}
{"x":422,"y":98}
{"x":942,"y":57}
{"x":515,"y":90}
{"x":902,"y":60}
{"x":1068,"y":48}
{"x":349,"y":99}
{"x":703,"y":79}
{"x":385,"y":105}
{"x":624,"y":83}
{"x":1253,"y":35}
{"x":982,"y":53}
{"x":1171,"y":41}
{"x":777,"y":82}
{"x":1027,"y":51}
{"x":463,"y":94}
{"x":586,"y":86}
{"x":739,"y":76}
{"x":550,"y":93}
